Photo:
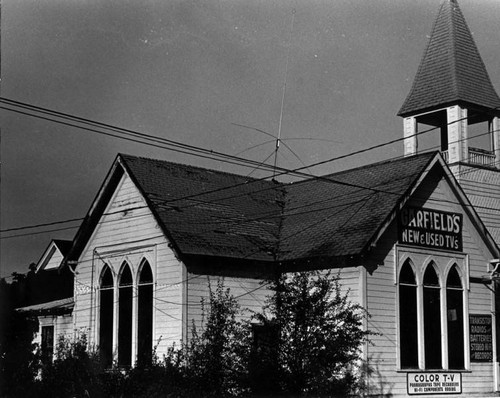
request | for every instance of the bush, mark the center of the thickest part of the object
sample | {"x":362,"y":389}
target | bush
{"x":216,"y":358}
{"x":308,"y":343}
{"x":73,"y":373}
{"x":318,"y":334}
{"x":19,"y":360}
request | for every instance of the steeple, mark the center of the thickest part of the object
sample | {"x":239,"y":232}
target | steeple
{"x":452,"y":90}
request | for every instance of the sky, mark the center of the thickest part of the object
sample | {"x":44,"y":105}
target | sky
{"x":191,"y":71}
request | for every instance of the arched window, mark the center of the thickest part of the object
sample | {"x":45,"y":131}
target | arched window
{"x":125,"y":294}
{"x":455,"y":319}
{"x":408,"y":317}
{"x":106,"y":286}
{"x":145,"y":314}
{"x":432,"y":319}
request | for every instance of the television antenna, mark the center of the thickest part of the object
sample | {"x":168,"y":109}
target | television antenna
{"x":283,"y":92}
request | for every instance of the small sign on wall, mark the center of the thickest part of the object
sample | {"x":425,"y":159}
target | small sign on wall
{"x":430,"y":228}
{"x":433,"y":383}
{"x":481,"y":338}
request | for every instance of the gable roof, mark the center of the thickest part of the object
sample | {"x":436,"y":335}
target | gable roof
{"x":342,"y":212}
{"x":451,"y":69}
{"x":213,"y":214}
{"x":208,"y":212}
{"x":57,"y":247}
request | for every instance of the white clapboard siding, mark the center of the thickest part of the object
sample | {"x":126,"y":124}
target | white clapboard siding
{"x":250,"y":294}
{"x":63,"y":328}
{"x":350,"y":282}
{"x":129,"y":232}
{"x":381,"y":297}
{"x":482,"y":187}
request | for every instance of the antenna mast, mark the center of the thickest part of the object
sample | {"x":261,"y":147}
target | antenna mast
{"x":278,"y":139}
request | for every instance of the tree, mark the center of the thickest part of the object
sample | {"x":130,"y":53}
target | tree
{"x":19,"y":362}
{"x":217,"y":358}
{"x":318,"y":334}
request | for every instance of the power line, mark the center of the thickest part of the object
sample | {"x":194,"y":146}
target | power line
{"x":137,"y":137}
{"x":201,"y":152}
{"x":41,"y":225}
{"x":232,"y":221}
{"x":261,"y":164}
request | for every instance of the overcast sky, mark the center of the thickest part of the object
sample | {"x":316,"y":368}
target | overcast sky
{"x":187,"y":71}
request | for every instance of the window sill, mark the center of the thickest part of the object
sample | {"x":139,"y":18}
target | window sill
{"x":433,"y":370}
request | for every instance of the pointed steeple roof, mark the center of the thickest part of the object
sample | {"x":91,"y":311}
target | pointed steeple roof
{"x":451,"y":69}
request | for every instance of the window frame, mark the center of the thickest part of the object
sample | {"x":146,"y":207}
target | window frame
{"x":444,"y":262}
{"x":102,"y":289}
{"x":47,"y":351}
{"x":135,"y":261}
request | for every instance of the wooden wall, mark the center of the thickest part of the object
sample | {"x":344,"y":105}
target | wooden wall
{"x":482,"y":187}
{"x":128,"y":232}
{"x":381,"y":297}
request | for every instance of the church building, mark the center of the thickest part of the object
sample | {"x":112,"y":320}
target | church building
{"x":415,"y":239}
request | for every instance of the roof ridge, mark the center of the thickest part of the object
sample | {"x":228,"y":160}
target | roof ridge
{"x":125,"y":155}
{"x":453,"y":45}
{"x":422,"y":63}
{"x":366,"y":166}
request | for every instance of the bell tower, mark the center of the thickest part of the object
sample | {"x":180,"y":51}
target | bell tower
{"x":453,"y":94}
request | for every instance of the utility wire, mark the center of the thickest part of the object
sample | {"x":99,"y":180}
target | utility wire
{"x":176,"y":199}
{"x":229,"y":220}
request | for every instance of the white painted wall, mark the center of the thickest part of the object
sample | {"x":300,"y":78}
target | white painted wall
{"x":129,"y":232}
{"x":382,"y":299}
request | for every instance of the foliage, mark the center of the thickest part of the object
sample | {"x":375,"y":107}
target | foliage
{"x":216,"y":358}
{"x":319,"y":334}
{"x":19,"y":360}
{"x":307,"y":343}
{"x":74,"y":371}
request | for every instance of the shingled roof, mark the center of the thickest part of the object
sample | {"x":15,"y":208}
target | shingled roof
{"x":451,"y":69}
{"x":208,"y":212}
{"x":337,"y":215}
{"x":211,"y":213}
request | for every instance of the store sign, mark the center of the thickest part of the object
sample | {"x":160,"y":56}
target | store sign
{"x":430,"y":228}
{"x":434,"y":383}
{"x":481,"y":338}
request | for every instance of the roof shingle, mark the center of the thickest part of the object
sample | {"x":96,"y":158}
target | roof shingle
{"x":211,"y":213}
{"x":451,"y":69}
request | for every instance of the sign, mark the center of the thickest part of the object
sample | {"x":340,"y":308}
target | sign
{"x":427,"y":383}
{"x":481,"y":338}
{"x":430,"y":228}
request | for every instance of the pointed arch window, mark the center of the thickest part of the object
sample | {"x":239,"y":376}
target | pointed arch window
{"x":455,"y":319}
{"x":106,"y":292}
{"x":433,"y":324}
{"x":125,"y":296}
{"x":145,"y":314}
{"x":408,"y":317}
{"x":432,"y":318}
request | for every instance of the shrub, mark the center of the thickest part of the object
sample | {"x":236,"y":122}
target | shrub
{"x":216,"y":358}
{"x":73,"y":373}
{"x":319,"y":335}
{"x":19,"y":360}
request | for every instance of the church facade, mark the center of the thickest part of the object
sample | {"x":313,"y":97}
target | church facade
{"x":414,"y":239}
